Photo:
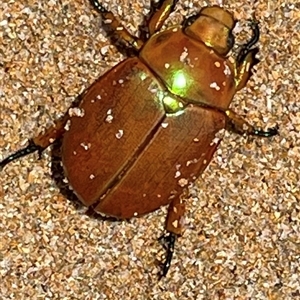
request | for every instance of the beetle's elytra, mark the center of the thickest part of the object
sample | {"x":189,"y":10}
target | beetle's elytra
{"x":147,"y":128}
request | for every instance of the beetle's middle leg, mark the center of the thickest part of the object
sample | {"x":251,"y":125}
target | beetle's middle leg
{"x":41,"y":142}
{"x":117,"y":29}
{"x":174,"y":228}
{"x":246,"y":58}
{"x":239,"y":125}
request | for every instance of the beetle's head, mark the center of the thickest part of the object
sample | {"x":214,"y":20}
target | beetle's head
{"x":213,"y":26}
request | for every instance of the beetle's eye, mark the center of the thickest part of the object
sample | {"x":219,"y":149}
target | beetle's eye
{"x":230,"y":40}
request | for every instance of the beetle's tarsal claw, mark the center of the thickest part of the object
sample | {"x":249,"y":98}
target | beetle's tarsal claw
{"x":246,"y":48}
{"x":168,"y":242}
{"x":32,"y":147}
{"x":255,"y":33}
{"x":270,"y":132}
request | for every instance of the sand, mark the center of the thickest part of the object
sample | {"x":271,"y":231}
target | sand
{"x":242,"y":228}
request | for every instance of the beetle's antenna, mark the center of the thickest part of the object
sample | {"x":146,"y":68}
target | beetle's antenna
{"x":32,"y":147}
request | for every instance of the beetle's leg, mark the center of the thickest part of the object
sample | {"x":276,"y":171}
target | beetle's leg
{"x":161,"y":12}
{"x":168,"y":242}
{"x":246,"y":58}
{"x":174,"y":227}
{"x":118,"y":30}
{"x":237,"y":124}
{"x":39,"y":143}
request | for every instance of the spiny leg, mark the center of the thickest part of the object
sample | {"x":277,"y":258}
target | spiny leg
{"x":168,"y":242}
{"x":32,"y":147}
{"x":246,"y":58}
{"x":247,"y":47}
{"x":39,"y":143}
{"x":117,"y":29}
{"x":174,"y":228}
{"x":239,"y":125}
{"x":161,"y":12}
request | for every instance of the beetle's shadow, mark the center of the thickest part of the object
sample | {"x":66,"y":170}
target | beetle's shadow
{"x":58,"y":177}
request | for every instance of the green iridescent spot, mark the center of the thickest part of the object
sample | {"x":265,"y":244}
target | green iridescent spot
{"x":180,"y":82}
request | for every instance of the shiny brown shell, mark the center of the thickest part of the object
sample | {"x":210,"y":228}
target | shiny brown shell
{"x":124,"y":154}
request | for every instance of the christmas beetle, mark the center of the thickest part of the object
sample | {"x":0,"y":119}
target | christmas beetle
{"x":147,"y":128}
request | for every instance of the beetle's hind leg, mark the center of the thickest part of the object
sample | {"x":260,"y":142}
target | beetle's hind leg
{"x":39,"y":143}
{"x":174,"y":228}
{"x":239,"y":125}
{"x":118,"y":31}
{"x":168,"y":242}
{"x":246,"y":58}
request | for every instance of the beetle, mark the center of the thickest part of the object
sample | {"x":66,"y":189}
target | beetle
{"x":148,"y":128}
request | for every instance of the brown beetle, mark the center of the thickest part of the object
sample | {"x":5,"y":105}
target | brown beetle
{"x":147,"y":128}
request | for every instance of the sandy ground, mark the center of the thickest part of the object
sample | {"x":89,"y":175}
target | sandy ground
{"x":242,"y":228}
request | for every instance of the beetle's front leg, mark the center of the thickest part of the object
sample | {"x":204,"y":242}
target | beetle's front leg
{"x":174,"y":228}
{"x":118,"y":30}
{"x":41,"y":142}
{"x":246,"y":58}
{"x":161,"y":12}
{"x":239,"y":125}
